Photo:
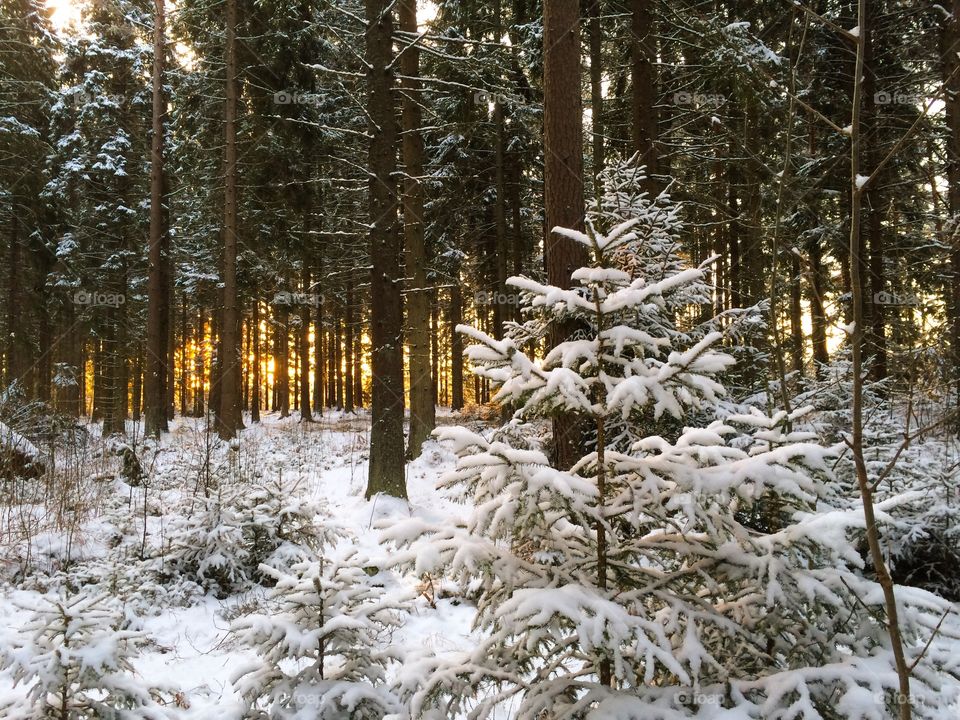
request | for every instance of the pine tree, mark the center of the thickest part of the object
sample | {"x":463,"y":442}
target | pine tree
{"x":74,"y":655}
{"x":630,"y":585}
{"x":332,"y":620}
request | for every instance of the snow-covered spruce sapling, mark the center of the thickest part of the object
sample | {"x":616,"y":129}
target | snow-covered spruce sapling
{"x":74,"y":656}
{"x":628,"y":586}
{"x":322,"y":644}
{"x":223,"y":540}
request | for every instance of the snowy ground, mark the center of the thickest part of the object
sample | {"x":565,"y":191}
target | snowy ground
{"x":193,"y":648}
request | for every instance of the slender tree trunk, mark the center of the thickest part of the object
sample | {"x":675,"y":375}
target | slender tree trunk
{"x":319,"y":359}
{"x":158,"y":301}
{"x":875,"y":333}
{"x":136,"y":389}
{"x":386,"y":472}
{"x":358,"y":399}
{"x":643,"y":69}
{"x":229,"y":418}
{"x":13,"y":347}
{"x":796,"y":314}
{"x":246,"y":350}
{"x":856,"y":444}
{"x":950,"y":40}
{"x":338,"y":360}
{"x":422,"y":409}
{"x":332,"y":357}
{"x":199,"y":364}
{"x":304,"y":349}
{"x":349,"y":326}
{"x":456,"y":345}
{"x":596,"y":89}
{"x":257,"y":379}
{"x":563,"y":178}
{"x":435,"y":344}
{"x":184,"y":337}
{"x":282,"y":359}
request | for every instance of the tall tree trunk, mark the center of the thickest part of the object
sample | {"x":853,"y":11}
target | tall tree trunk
{"x":332,"y":357}
{"x":304,"y":349}
{"x":282,"y":359}
{"x":456,"y":344}
{"x":319,"y":359}
{"x":158,"y":301}
{"x":386,"y":472}
{"x":950,"y":40}
{"x":563,"y":189}
{"x":341,"y":371}
{"x":857,"y":337}
{"x":876,"y":322}
{"x":349,"y":327}
{"x":257,"y":379}
{"x":563,"y":178}
{"x":422,"y":409}
{"x":796,"y":314}
{"x":643,"y":63}
{"x":229,"y":418}
{"x":15,"y":340}
{"x":184,"y":337}
{"x":199,"y":363}
{"x":596,"y":89}
{"x":358,"y":359}
{"x":136,"y":390}
{"x":435,"y":344}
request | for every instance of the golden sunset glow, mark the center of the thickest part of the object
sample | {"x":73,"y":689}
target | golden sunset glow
{"x":64,"y":13}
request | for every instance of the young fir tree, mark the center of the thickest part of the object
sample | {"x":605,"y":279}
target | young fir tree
{"x":320,"y":644}
{"x":75,"y":657}
{"x":630,"y":586}
{"x":225,"y":540}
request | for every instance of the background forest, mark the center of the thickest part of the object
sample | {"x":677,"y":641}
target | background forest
{"x":480,"y":358}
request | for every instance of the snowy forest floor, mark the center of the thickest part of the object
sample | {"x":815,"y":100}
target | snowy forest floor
{"x":191,"y":645}
{"x":99,"y":530}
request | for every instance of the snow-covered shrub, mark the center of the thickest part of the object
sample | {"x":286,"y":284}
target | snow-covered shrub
{"x":207,"y":544}
{"x":321,"y":643}
{"x":282,"y":525}
{"x":629,"y":586}
{"x":223,"y":541}
{"x":917,"y":481}
{"x":74,"y":656}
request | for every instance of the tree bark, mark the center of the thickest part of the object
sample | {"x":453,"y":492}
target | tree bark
{"x":456,"y":344}
{"x":281,"y":342}
{"x":950,"y":43}
{"x":229,"y":418}
{"x":643,"y":64}
{"x":563,"y":178}
{"x":303,"y":351}
{"x":422,"y":408}
{"x":596,"y":89}
{"x":386,"y":472}
{"x":255,"y":389}
{"x":856,"y":442}
{"x":158,"y":301}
